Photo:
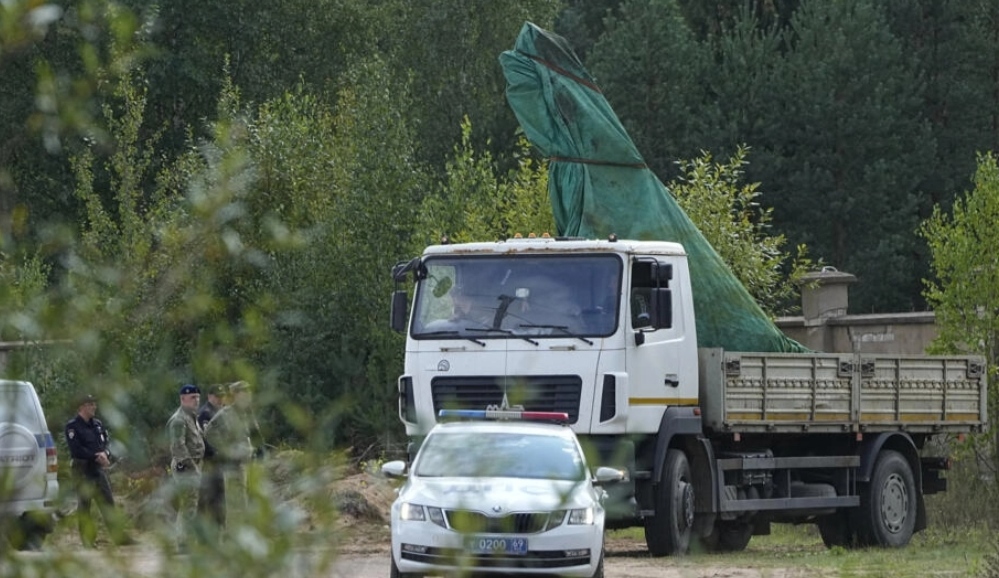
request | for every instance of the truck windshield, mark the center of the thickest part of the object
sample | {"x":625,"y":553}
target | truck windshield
{"x":517,"y":296}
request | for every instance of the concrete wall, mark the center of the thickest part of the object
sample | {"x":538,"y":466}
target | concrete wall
{"x":826,"y":326}
{"x":891,"y":333}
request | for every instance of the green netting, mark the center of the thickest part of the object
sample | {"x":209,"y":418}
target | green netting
{"x":599,"y":184}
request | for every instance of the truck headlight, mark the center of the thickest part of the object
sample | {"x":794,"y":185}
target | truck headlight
{"x":412,"y":512}
{"x":581,"y":516}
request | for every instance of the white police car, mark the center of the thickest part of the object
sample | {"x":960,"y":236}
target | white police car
{"x":499,"y":496}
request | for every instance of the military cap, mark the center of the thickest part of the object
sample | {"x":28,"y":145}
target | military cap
{"x":217,"y":389}
{"x":85,"y":399}
{"x":239,"y":386}
{"x":186,"y":389}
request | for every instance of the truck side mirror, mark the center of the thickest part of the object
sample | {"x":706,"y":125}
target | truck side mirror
{"x":664,"y":274}
{"x":662,"y":308}
{"x":399,"y":301}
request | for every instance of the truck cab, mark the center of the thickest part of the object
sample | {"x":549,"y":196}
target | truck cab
{"x":602,"y":330}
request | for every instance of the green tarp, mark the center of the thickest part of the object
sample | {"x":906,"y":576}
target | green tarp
{"x":599,"y":185}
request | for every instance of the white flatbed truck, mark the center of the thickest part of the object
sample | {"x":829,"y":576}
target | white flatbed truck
{"x":717,"y":445}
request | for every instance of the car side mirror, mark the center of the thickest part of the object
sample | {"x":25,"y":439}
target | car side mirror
{"x":605,"y":475}
{"x":394,"y":469}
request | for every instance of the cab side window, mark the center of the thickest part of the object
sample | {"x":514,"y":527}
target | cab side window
{"x":641,"y":294}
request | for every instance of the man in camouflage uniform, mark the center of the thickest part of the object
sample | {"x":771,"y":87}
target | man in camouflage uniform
{"x":187,"y":448}
{"x":211,"y":501}
{"x":229,"y":433}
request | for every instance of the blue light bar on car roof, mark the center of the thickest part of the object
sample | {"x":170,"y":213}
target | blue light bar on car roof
{"x":504,"y":414}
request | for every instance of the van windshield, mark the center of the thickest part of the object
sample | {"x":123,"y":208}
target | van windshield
{"x":517,"y":296}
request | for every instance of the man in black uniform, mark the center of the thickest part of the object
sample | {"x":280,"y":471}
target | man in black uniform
{"x":88,"y":446}
{"x":211,"y":497}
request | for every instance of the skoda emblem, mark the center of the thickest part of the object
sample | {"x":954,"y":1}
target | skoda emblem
{"x":443,"y":365}
{"x":497,"y":509}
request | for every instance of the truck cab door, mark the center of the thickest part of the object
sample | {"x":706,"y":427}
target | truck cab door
{"x":661,"y":358}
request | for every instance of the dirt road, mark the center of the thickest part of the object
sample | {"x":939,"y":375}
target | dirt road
{"x":625,"y":559}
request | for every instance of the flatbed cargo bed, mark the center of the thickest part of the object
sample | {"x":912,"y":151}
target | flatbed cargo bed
{"x":833,"y":393}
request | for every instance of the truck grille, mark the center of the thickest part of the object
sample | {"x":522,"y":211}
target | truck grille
{"x":534,"y":392}
{"x":471,"y":522}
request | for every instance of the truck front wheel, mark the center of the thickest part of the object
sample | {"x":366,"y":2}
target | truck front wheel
{"x":888,"y":506}
{"x":668,"y":532}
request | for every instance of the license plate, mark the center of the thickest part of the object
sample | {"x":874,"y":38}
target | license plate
{"x":496,"y":545}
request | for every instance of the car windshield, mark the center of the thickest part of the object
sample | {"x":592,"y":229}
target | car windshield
{"x":499,"y":454}
{"x":518,"y":296}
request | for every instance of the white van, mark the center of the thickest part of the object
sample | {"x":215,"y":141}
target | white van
{"x":29,"y":486}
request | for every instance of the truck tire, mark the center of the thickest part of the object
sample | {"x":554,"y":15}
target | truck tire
{"x":668,"y":532}
{"x":733,"y":536}
{"x":887,"y":513}
{"x":836,"y":530}
{"x":726,"y":536}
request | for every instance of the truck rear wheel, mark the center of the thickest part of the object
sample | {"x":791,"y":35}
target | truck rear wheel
{"x":887,"y":514}
{"x":733,"y":536}
{"x":728,"y":536}
{"x":668,"y":532}
{"x":836,"y":530}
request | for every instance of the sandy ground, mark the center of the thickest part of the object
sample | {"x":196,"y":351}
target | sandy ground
{"x":364,"y":499}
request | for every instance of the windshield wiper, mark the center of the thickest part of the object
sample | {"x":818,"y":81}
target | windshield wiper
{"x":564,"y":329}
{"x":501,"y":330}
{"x":452,"y":333}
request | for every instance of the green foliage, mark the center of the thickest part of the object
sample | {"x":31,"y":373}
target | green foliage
{"x":990,"y":565}
{"x":347,"y":181}
{"x":450,"y":49}
{"x":731,"y":218}
{"x":955,"y":45}
{"x":23,"y":280}
{"x":845,"y":149}
{"x":224,"y":199}
{"x":963,"y":291}
{"x":477,"y":203}
{"x":651,"y":68}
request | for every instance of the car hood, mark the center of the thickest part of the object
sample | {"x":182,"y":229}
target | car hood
{"x":499,"y":494}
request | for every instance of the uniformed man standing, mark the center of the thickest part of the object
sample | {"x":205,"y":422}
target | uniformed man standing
{"x":187,"y":448}
{"x":88,"y":448}
{"x":211,"y":499}
{"x":229,"y":434}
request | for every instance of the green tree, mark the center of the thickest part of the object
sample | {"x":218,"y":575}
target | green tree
{"x":346,"y":178}
{"x":450,"y":49}
{"x":709,"y":192}
{"x":581,"y":22}
{"x":477,"y":201}
{"x":712,"y":18}
{"x":847,"y":150}
{"x":964,"y":290}
{"x":53,"y":61}
{"x":956,"y":45}
{"x":742,"y":81}
{"x":651,"y":68}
